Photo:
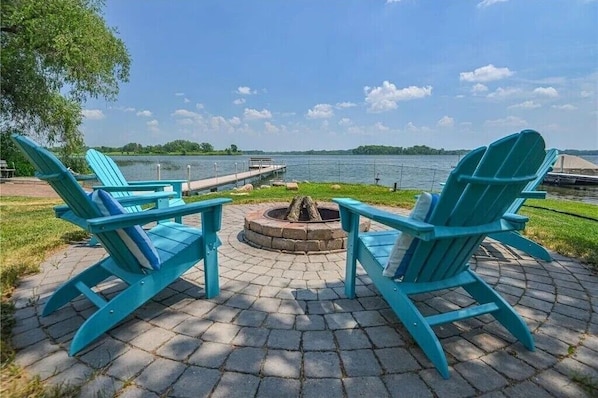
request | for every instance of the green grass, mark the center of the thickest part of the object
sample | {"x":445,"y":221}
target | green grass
{"x":29,"y":233}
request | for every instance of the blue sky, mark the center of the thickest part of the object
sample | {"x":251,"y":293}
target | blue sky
{"x":335,"y":74}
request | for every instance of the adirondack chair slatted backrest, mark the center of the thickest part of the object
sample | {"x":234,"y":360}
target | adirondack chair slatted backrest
{"x":545,"y":167}
{"x":478,"y":191}
{"x":50,"y":169}
{"x":109,"y":174}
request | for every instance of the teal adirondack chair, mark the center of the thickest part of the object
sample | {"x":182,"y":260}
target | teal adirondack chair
{"x":444,"y":237}
{"x":146,"y":268}
{"x":113,"y":181}
{"x":514,"y":238}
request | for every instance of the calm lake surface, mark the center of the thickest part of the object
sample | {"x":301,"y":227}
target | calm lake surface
{"x":417,"y":172}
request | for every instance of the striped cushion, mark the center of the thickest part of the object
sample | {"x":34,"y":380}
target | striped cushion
{"x":405,"y":246}
{"x":134,"y":238}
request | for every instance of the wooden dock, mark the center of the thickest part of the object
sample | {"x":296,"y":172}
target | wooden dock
{"x":214,"y":182}
{"x":570,"y":179}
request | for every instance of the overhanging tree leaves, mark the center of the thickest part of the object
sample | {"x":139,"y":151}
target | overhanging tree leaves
{"x":55,"y":55}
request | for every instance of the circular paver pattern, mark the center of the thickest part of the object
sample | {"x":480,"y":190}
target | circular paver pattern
{"x":282,"y":326}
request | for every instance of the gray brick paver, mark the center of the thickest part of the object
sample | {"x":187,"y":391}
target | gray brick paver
{"x":282,"y":326}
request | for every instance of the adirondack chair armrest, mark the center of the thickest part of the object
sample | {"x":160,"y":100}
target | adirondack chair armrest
{"x":413,"y":227}
{"x":533,"y":194}
{"x":85,"y":177}
{"x":177,"y":185}
{"x":509,"y":222}
{"x":169,"y":182}
{"x":138,"y":200}
{"x":110,"y":223}
{"x":129,"y":188}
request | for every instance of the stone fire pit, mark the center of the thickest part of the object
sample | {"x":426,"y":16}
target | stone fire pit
{"x":271,"y":229}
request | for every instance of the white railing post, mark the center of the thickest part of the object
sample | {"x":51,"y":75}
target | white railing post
{"x":158,"y":171}
{"x":189,"y":177}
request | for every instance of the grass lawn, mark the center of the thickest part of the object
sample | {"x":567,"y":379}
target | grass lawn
{"x":29,"y":233}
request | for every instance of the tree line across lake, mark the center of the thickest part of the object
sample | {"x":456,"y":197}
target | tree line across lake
{"x":185,"y":147}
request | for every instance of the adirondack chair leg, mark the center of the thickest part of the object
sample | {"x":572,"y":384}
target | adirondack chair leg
{"x":520,"y":242}
{"x":421,"y":332}
{"x":125,"y":303}
{"x":506,"y":315}
{"x":210,"y":223}
{"x":352,"y":247}
{"x":68,"y":291}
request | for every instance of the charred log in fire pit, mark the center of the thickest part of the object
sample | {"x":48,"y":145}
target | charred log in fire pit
{"x":303,"y":208}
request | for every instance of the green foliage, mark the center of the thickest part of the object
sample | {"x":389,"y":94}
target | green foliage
{"x":392,"y":150}
{"x":55,"y":55}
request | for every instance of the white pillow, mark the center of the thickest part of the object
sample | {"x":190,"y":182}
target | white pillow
{"x":403,"y":249}
{"x":134,"y":238}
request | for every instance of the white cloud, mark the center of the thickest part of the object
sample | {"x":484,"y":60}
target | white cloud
{"x":488,"y":3}
{"x":186,"y":100}
{"x":179,"y":94}
{"x":546,"y":91}
{"x":504,"y":92}
{"x":565,"y":107}
{"x":385,"y":97}
{"x":129,"y":109}
{"x":526,"y":105}
{"x":254,"y":114}
{"x":486,"y":73}
{"x":479,"y":88}
{"x":199,"y":106}
{"x":345,"y":122}
{"x":381,"y":127}
{"x":93,"y":114}
{"x":446,"y":121}
{"x":239,"y":101}
{"x":153,"y":125}
{"x":271,"y":128}
{"x":586,"y":94}
{"x":509,"y":121}
{"x":184,"y":113}
{"x":235,"y":121}
{"x":144,"y":113}
{"x":244,"y":90}
{"x":320,"y":111}
{"x":342,"y":105}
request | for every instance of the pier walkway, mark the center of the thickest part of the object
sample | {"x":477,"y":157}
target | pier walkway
{"x":215,"y":182}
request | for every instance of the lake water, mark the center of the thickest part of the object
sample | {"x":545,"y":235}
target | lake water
{"x":416,"y":172}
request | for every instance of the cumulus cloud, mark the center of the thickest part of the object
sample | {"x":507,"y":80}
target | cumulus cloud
{"x":585,"y":94}
{"x":565,"y":107}
{"x":488,"y":3}
{"x":479,"y":88}
{"x":546,"y":92}
{"x":186,"y":114}
{"x":380,"y":126}
{"x":93,"y":114}
{"x":144,"y":113}
{"x":343,"y":105}
{"x":239,"y":101}
{"x":345,"y":122}
{"x":244,"y":90}
{"x":504,"y":92}
{"x":320,"y":111}
{"x":526,"y":105}
{"x":235,"y":121}
{"x":385,"y":97}
{"x":254,"y":114}
{"x":484,"y":74}
{"x":446,"y":121}
{"x":271,"y":128}
{"x":509,"y":121}
{"x":153,"y":125}
{"x":199,"y":106}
